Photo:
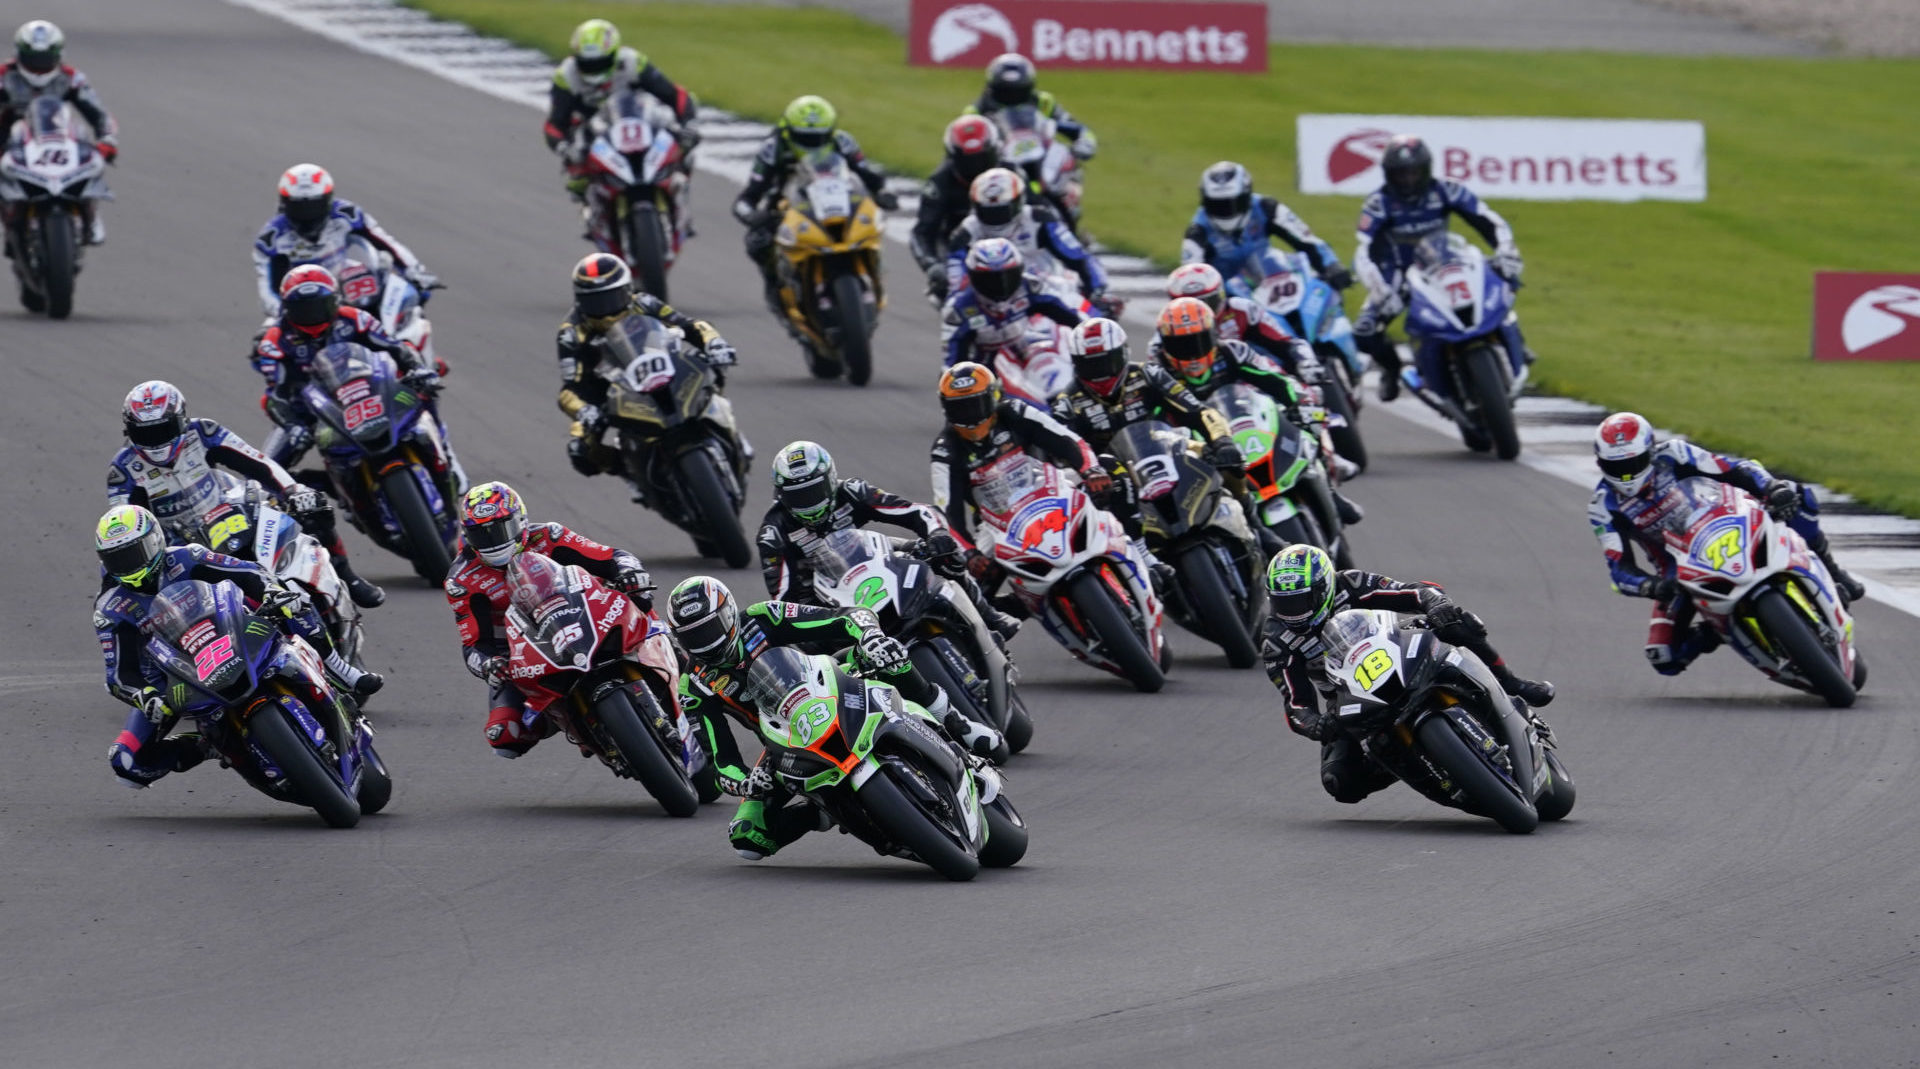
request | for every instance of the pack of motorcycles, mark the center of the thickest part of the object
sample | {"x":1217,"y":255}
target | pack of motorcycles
{"x":606,"y":672}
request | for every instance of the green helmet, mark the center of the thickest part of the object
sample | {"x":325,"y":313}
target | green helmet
{"x":809,"y":121}
{"x":1301,"y":586}
{"x":805,"y":482}
{"x":131,"y":545}
{"x":596,"y":47}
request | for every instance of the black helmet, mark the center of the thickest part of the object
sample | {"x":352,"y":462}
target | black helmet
{"x":602,"y":286}
{"x":1408,"y":165}
{"x":704,"y":619}
{"x":1010,"y":79}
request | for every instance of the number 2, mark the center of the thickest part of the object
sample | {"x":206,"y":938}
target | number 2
{"x":1375,"y":665}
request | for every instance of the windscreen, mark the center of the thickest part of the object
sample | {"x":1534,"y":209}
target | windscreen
{"x":179,"y":607}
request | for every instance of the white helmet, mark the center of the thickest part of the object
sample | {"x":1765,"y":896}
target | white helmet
{"x":36,"y":51}
{"x":1200,"y":281}
{"x":997,"y":197}
{"x":1623,"y":447}
{"x":1226,"y":195}
{"x":306,"y":197}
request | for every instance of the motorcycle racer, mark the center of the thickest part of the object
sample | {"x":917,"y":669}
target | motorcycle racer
{"x":167,"y":467}
{"x":1232,"y":225}
{"x":313,"y":224}
{"x":495,"y":529}
{"x":1011,"y":83}
{"x":1638,"y":494}
{"x":973,"y":147}
{"x":1241,"y":319}
{"x":807,"y":135}
{"x":992,"y":312}
{"x":983,"y":428}
{"x":598,"y":65}
{"x":1305,"y":591}
{"x":135,"y":565}
{"x":603,"y":295}
{"x":721,"y":641}
{"x":1410,"y":205}
{"x":36,"y":71}
{"x":1001,"y":210}
{"x":811,"y":501}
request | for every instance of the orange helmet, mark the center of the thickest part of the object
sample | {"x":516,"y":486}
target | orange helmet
{"x":1186,"y":339}
{"x":969,"y":396}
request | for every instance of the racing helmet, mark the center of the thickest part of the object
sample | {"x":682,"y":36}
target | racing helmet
{"x":306,"y":198}
{"x":805,"y":481}
{"x":997,"y":196}
{"x":131,"y":546}
{"x":596,"y":48}
{"x":969,"y":398}
{"x":493,"y":521}
{"x":973,"y":144}
{"x":1407,"y":165}
{"x":1623,"y":447}
{"x":310,"y":300}
{"x":36,"y":49}
{"x":1201,"y":281}
{"x":1099,"y":351}
{"x":155,"y":418}
{"x":995,"y":268}
{"x":602,"y":288}
{"x":809,"y":122}
{"x":1187,"y":343}
{"x":705,"y":620}
{"x":1301,"y":582}
{"x":1010,"y":79}
{"x":1226,"y":195}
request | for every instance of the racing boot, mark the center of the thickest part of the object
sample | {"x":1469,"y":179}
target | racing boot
{"x":976,"y":738}
{"x":1350,"y":511}
{"x":1377,"y":346}
{"x":364,"y":594}
{"x":1004,"y":625}
{"x":361,"y":684}
{"x":1536,"y":693}
{"x":1164,"y":577}
{"x":1851,"y":589}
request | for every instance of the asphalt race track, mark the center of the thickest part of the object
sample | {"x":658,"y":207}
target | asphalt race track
{"x":1736,"y":885}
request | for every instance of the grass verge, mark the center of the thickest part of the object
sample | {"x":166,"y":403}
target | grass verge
{"x":1696,"y":315}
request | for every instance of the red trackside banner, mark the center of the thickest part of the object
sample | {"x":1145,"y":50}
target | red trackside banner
{"x":1866,"y":316}
{"x":1110,"y":34}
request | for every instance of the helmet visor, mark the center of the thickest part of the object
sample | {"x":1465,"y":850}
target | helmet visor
{"x":594,"y":64}
{"x":1298,"y":608}
{"x":810,"y":138}
{"x":709,"y":637}
{"x":973,"y":411}
{"x":1100,"y":369}
{"x":311,"y":312}
{"x":807,"y":500}
{"x":154,"y":435}
{"x":1228,"y":207}
{"x":1011,"y":92}
{"x":39,"y":60}
{"x":1626,"y":467}
{"x":996,"y":285}
{"x":971,"y":165}
{"x":997,"y":214}
{"x":133,"y":562}
{"x":495,"y":539}
{"x":307,"y":213}
{"x":604,"y":303}
{"x":1407,"y":179}
{"x":1182,"y":347}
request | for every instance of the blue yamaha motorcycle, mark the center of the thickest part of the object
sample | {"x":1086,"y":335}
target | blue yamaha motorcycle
{"x":1469,"y":361}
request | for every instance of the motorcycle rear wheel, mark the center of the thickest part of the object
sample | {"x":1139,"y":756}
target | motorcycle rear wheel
{"x":856,"y":345}
{"x":1785,"y":625}
{"x":272,"y":729}
{"x":1558,"y":801}
{"x":1486,"y":791}
{"x":59,"y":259}
{"x":899,"y":817}
{"x":1206,"y":591}
{"x":646,"y":756}
{"x":431,"y":561}
{"x":712,"y":508}
{"x":1489,"y":389}
{"x":647,"y":248}
{"x":1124,"y":646}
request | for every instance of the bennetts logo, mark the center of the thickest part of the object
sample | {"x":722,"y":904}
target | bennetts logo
{"x":1356,"y":153}
{"x":1878,"y":315}
{"x":959,"y":30}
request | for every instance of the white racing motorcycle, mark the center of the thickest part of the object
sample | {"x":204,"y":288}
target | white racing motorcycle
{"x":49,"y":176}
{"x":369,"y":282}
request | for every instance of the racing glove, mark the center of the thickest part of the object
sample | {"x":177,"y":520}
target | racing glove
{"x":1338,"y":277}
{"x":590,"y":418}
{"x":937,"y":281}
{"x":494,"y":670}
{"x":1783,"y":500}
{"x":757,"y":783}
{"x":109,"y":149}
{"x":886,"y":199}
{"x":1507,"y":264}
{"x":1096,"y":481}
{"x":637,"y":585}
{"x":1224,"y":455}
{"x":881,"y":654}
{"x":1085,"y":145}
{"x":720,"y":352}
{"x":1107,"y":306}
{"x":153,"y":705}
{"x":1454,"y":625}
{"x":580,"y":455}
{"x":941,"y":544}
{"x":424,"y":280}
{"x":1663,"y":590}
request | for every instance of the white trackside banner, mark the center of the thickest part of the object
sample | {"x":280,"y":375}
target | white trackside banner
{"x":1515,"y":159}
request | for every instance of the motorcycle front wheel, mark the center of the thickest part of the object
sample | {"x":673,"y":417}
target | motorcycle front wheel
{"x":1784,"y":625}
{"x":1488,"y":793}
{"x":431,"y":561}
{"x":856,"y":345}
{"x":271,"y":728}
{"x":1113,"y":632}
{"x":905,"y":821}
{"x":1213,"y":607}
{"x":59,"y":259}
{"x":647,"y":248}
{"x":646,"y":756}
{"x":712,"y":508}
{"x":1489,"y":390}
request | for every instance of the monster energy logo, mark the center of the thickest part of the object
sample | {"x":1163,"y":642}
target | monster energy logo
{"x":259,"y":627}
{"x":179,"y":694}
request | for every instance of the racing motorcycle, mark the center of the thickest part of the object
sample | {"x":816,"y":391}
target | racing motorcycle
{"x":1038,"y":369}
{"x":368,"y":282}
{"x":638,"y":169}
{"x":1469,"y":363}
{"x":1192,"y":523}
{"x":604,"y":673}
{"x":829,"y":264}
{"x":386,"y":455}
{"x":1287,"y":466}
{"x":1754,"y":580}
{"x":944,"y":634}
{"x":879,"y":765}
{"x":1434,"y":715}
{"x":1285,"y":285}
{"x":243,"y":520}
{"x":1031,"y":145}
{"x":677,"y":434}
{"x":1074,"y":568}
{"x":48,"y":177}
{"x":261,"y":699}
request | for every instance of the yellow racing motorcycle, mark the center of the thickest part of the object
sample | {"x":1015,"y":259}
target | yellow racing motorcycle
{"x":829,"y":263}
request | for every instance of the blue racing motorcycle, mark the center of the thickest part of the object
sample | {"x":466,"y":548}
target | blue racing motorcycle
{"x":263,"y":703}
{"x":386,"y":455}
{"x":1307,"y":308}
{"x":1469,"y":361}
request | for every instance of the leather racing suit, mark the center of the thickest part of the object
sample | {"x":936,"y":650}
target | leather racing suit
{"x":1045,"y":244}
{"x":1232,"y":253}
{"x":280,"y":247}
{"x":976,"y":327}
{"x":757,"y":204}
{"x":573,"y":99}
